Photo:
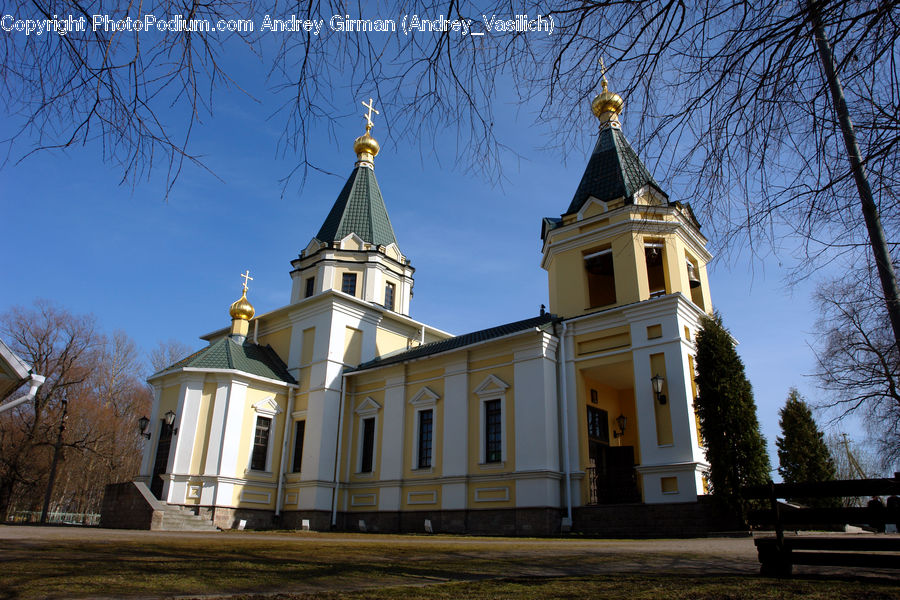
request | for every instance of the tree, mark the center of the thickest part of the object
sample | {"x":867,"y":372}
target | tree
{"x":98,"y":378}
{"x":803,"y":456}
{"x":167,"y":354}
{"x":858,"y":362}
{"x":735,"y":448}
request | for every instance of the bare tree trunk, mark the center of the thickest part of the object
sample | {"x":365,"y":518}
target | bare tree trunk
{"x":870,"y":210}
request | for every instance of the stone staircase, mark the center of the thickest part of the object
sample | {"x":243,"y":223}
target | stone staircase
{"x":133,"y":506}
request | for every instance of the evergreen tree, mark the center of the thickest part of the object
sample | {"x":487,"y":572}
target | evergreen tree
{"x":803,"y":455}
{"x":735,"y":448}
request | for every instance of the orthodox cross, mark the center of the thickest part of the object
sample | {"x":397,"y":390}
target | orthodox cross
{"x":246,"y":277}
{"x":368,"y":116}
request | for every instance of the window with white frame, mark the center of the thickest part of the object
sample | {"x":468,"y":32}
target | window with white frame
{"x":367,"y":412}
{"x":492,"y":439}
{"x":263,"y":435}
{"x":425,"y":402}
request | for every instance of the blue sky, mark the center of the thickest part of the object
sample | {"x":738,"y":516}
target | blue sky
{"x":162,"y":269}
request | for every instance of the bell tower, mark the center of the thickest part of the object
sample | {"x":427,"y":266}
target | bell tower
{"x":355,"y":251}
{"x":621,"y":240}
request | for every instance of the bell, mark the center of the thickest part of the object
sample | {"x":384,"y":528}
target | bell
{"x":692,"y":276}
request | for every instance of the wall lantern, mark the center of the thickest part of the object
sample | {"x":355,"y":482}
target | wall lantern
{"x":658,"y":381}
{"x":621,"y":421}
{"x":144,"y":427}
{"x":170,"y":418}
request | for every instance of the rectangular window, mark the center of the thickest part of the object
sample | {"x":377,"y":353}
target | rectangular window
{"x":261,"y":444}
{"x":368,"y":445}
{"x":656,"y":277}
{"x":299,"y":432}
{"x":310,"y":286}
{"x":426,"y":431}
{"x":493,"y":435}
{"x":389,"y":296}
{"x":348,"y":283}
{"x":601,"y":277}
{"x":598,"y":425}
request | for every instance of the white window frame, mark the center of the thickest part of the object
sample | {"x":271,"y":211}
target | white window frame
{"x":268,"y":409}
{"x":425,"y":399}
{"x":492,"y":388}
{"x":367,"y":410}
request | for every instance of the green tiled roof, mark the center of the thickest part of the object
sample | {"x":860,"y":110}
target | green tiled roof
{"x":457,"y":342}
{"x":254,"y":359}
{"x":613,"y":171}
{"x":359,"y":209}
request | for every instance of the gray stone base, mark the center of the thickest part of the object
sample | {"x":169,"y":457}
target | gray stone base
{"x":688,"y":519}
{"x":510,"y":521}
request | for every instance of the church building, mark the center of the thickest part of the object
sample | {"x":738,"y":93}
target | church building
{"x":341,"y":410}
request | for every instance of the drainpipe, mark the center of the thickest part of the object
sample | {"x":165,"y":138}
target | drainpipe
{"x":288,"y":420}
{"x":337,"y":452}
{"x":35,"y":382}
{"x":561,"y":390}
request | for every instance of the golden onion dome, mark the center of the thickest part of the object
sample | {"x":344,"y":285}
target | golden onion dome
{"x":241,"y":308}
{"x":606,"y":102}
{"x":366,"y":145}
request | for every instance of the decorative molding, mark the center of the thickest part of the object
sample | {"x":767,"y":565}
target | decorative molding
{"x":480,"y":491}
{"x":363,"y":500}
{"x":491,"y":386}
{"x":591,"y":200}
{"x":193,"y":491}
{"x":425,"y":398}
{"x":421,"y":497}
{"x":368,"y":408}
{"x":267,"y":407}
{"x":246,"y":497}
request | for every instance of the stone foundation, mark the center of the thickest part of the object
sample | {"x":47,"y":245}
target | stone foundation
{"x":688,"y":519}
{"x":124,"y":507}
{"x":510,"y":521}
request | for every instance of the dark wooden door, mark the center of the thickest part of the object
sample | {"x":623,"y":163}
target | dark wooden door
{"x":162,"y":459}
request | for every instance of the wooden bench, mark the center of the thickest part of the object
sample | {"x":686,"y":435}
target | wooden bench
{"x":778,"y":553}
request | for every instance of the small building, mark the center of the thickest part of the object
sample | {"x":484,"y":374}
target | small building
{"x":342,"y":410}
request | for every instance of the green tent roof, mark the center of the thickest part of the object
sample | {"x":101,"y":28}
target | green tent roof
{"x":254,"y":359}
{"x":359,"y":209}
{"x":613,"y":171}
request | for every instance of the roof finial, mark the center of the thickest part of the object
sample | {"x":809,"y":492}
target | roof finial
{"x":368,"y":115}
{"x":606,"y":105}
{"x":241,"y":309}
{"x":365,"y":146}
{"x":247,"y":278}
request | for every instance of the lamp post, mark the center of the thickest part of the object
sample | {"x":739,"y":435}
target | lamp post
{"x":658,"y":381}
{"x":144,"y":427}
{"x":56,"y":448}
{"x":621,"y":421}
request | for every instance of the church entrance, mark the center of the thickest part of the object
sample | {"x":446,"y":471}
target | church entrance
{"x":162,"y":459}
{"x":611,"y":476}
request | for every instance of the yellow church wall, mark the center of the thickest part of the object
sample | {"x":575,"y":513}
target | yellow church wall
{"x":339,"y":276}
{"x":204,"y":423}
{"x":279,"y":340}
{"x":504,"y":372}
{"x":353,"y":433}
{"x":421,"y":497}
{"x":410,"y":429}
{"x":492,"y":494}
{"x":168,"y":399}
{"x":352,"y":345}
{"x":251,"y":499}
{"x":362,"y":499}
{"x":662,"y":411}
{"x":388,"y":341}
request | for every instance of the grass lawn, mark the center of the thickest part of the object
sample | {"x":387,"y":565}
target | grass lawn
{"x":257,"y":565}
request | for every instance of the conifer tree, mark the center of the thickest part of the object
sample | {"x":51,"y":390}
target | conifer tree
{"x":735,"y":448}
{"x":803,"y":455}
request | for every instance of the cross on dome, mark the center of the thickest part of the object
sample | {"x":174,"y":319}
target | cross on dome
{"x":368,"y":115}
{"x":246,"y":277}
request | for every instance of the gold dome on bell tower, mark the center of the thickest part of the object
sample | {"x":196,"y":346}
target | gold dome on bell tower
{"x":365,"y":146}
{"x":606,"y":105}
